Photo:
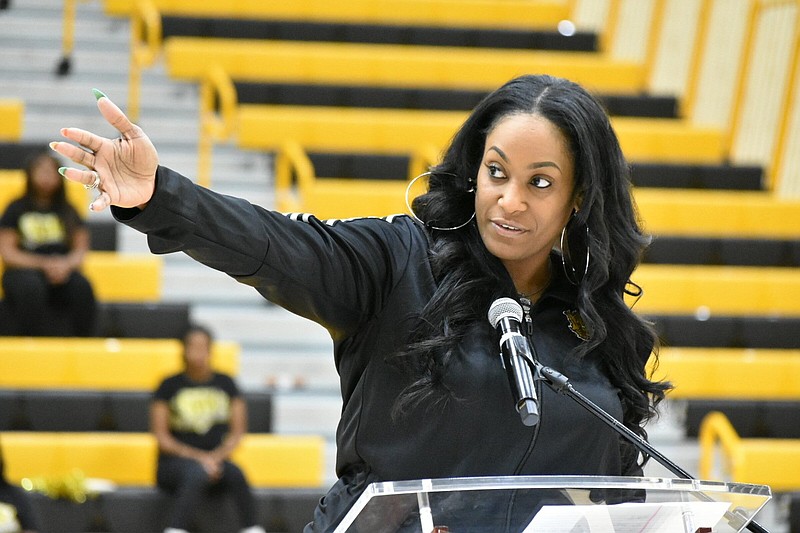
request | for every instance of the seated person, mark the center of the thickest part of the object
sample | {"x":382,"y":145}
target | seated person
{"x":43,"y":241}
{"x":16,"y":513}
{"x":199,"y":417}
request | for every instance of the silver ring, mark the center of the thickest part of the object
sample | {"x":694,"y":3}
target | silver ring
{"x":95,"y":184}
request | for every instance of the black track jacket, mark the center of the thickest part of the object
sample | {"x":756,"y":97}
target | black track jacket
{"x":363,"y":279}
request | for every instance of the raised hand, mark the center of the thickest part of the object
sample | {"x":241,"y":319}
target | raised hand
{"x":123,"y":170}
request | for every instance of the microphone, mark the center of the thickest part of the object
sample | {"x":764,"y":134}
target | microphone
{"x":505,"y":315}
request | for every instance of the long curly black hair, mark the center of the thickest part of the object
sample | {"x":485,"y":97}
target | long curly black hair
{"x":469,"y":277}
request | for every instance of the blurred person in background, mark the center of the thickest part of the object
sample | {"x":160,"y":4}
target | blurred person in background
{"x":16,"y":512}
{"x":199,"y":417}
{"x":43,"y":242}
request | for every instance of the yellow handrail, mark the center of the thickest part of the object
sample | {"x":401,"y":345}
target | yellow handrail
{"x":654,"y":38}
{"x":67,"y":36}
{"x":714,"y":428}
{"x":421,"y":160}
{"x":612,"y":23}
{"x":145,"y":47}
{"x":787,"y":110}
{"x":292,"y":158}
{"x":696,"y":61}
{"x":216,"y":91}
{"x":741,"y":79}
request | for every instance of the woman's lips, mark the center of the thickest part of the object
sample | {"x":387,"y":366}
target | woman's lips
{"x":507,"y":228}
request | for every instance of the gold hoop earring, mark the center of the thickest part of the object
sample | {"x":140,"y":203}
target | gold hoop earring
{"x":566,"y":255}
{"x":414,"y":215}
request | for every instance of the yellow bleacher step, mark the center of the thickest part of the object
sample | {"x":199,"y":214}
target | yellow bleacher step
{"x":130,"y":458}
{"x":99,"y":364}
{"x":531,"y":14}
{"x":717,"y":213}
{"x":343,"y":198}
{"x":718,"y":290}
{"x":12,"y":119}
{"x":658,"y":140}
{"x":404,"y":130}
{"x":730,"y":373}
{"x":664,"y":212}
{"x":122,"y":277}
{"x":188,"y":58}
{"x":338,"y":129}
{"x":12,"y":186}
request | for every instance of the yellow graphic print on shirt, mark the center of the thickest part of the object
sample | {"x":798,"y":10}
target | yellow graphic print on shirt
{"x":39,"y":229}
{"x":197,"y":409}
{"x":8,"y":519}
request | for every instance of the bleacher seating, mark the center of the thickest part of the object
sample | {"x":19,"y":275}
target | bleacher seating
{"x":729,"y":373}
{"x":12,"y":186}
{"x":12,"y":114}
{"x":538,"y":14}
{"x":389,"y":65}
{"x":731,"y":331}
{"x":98,"y":364}
{"x":143,"y":320}
{"x":717,"y":290}
{"x":123,"y":277}
{"x":717,"y":213}
{"x":138,"y":509}
{"x":14,"y":153}
{"x":756,"y":389}
{"x":722,"y":250}
{"x":767,"y":461}
{"x":74,"y":410}
{"x":268,"y":460}
{"x":390,"y":85}
{"x":286,"y":472}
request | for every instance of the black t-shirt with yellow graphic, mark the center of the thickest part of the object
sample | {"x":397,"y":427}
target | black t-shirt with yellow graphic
{"x":41,"y":231}
{"x":199,"y":413}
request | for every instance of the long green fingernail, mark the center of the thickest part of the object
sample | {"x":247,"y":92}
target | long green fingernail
{"x":62,"y":171}
{"x":98,"y":94}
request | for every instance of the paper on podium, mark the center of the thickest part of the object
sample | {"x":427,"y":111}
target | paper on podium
{"x":667,"y":517}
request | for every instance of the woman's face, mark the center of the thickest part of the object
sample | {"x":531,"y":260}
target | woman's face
{"x":45,"y":177}
{"x":524,"y":190}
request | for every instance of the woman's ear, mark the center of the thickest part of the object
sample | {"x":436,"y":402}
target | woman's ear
{"x":577,"y":203}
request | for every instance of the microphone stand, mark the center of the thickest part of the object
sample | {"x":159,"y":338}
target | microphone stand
{"x":560,"y":384}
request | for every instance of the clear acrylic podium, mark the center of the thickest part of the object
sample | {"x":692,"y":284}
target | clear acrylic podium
{"x":555,"y":504}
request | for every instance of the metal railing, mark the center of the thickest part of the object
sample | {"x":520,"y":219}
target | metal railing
{"x":764,"y":71}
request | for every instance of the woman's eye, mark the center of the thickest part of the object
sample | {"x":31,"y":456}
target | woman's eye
{"x":495,"y":172}
{"x":540,"y":182}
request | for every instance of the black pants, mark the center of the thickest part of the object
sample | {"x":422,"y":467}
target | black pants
{"x":41,"y":309}
{"x":189,"y":482}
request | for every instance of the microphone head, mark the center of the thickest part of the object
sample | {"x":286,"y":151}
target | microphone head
{"x":504,"y":307}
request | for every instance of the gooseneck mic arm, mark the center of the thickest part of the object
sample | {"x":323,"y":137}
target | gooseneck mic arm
{"x":560,"y":384}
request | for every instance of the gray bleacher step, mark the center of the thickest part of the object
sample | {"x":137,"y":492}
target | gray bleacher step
{"x":97,"y":32}
{"x":198,"y":284}
{"x":176,"y":126}
{"x":263,"y":325}
{"x":286,"y":368}
{"x":100,"y":64}
{"x":71,"y":95}
{"x":49,"y":6}
{"x":306,"y":412}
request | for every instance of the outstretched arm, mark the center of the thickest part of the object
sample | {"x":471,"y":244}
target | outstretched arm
{"x":126,"y":166}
